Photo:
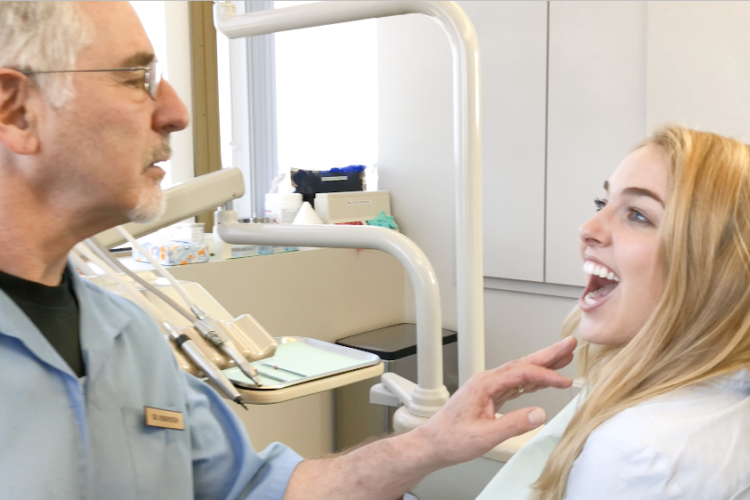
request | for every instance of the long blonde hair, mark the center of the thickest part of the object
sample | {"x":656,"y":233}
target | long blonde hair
{"x":700,"y":328}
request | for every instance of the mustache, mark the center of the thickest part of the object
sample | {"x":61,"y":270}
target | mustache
{"x":161,"y":153}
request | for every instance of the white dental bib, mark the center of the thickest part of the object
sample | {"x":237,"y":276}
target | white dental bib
{"x":524,"y":468}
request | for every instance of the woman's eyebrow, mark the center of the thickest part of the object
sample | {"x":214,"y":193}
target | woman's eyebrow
{"x":636,"y":191}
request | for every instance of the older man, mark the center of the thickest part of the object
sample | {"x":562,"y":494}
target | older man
{"x":83,"y":121}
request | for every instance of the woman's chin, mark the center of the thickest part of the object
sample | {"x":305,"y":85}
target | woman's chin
{"x":595,"y":332}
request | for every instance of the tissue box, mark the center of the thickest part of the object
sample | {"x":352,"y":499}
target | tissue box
{"x":175,"y":253}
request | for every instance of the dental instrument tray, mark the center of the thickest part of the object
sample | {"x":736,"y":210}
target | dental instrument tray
{"x":300,"y":360}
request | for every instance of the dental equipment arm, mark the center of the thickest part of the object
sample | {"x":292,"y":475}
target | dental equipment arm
{"x":466,"y":132}
{"x":462,"y":430}
{"x":210,"y":329}
{"x":184,"y":200}
{"x":430,"y":394}
{"x":192,"y":351}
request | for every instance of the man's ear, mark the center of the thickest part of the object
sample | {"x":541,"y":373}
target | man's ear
{"x":18,"y":130}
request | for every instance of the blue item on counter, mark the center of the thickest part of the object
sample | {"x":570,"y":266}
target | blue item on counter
{"x":336,"y":180}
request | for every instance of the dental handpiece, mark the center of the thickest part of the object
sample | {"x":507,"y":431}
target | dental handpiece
{"x":209,"y":369}
{"x":227,"y":347}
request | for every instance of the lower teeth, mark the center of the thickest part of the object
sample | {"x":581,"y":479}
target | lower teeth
{"x":592,"y":297}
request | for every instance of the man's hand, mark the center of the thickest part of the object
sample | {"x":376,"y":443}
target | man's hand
{"x":466,"y":427}
{"x":462,"y":430}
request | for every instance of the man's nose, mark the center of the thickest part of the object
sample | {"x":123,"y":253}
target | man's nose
{"x":170,"y":114}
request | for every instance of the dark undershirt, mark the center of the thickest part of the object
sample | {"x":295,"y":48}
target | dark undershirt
{"x":54,"y":310}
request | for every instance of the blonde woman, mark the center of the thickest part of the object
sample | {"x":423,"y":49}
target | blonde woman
{"x":665,"y":321}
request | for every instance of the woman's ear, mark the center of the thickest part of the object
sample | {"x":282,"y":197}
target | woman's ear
{"x":18,"y":119}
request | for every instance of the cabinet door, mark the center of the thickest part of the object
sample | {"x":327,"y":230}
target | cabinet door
{"x":596,"y":115}
{"x":416,"y":157}
{"x":699,"y":66}
{"x":513,"y":47}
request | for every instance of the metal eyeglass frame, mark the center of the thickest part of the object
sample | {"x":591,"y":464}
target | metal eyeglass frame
{"x":151,"y":74}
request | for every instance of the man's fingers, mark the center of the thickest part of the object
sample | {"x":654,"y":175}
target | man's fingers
{"x":562,"y":362}
{"x":516,"y":423}
{"x":507,"y":377}
{"x":549,"y":356}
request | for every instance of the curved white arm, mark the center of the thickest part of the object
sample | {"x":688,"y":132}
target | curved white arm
{"x":466,"y":123}
{"x":430,"y":394}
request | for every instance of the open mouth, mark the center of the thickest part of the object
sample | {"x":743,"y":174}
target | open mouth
{"x":602,"y":282}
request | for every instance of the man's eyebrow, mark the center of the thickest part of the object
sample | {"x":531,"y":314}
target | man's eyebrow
{"x":636,"y":191}
{"x":139,"y":59}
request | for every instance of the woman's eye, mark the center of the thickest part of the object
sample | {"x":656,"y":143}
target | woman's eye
{"x":599,"y":203}
{"x":637,"y":216}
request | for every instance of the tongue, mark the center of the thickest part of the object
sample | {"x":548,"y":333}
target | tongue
{"x":603,"y":291}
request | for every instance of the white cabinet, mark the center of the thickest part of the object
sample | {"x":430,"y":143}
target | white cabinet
{"x":416,"y":156}
{"x":596,"y":115}
{"x":513,"y":43}
{"x":619,"y":70}
{"x":699,"y":66}
{"x":568,"y":90}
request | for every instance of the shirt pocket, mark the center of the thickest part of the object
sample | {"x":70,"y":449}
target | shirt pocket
{"x":160,"y":457}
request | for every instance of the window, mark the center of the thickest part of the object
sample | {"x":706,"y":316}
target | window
{"x":304,"y":99}
{"x":327,"y":95}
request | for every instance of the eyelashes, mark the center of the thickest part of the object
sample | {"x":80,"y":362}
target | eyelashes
{"x":634,"y":214}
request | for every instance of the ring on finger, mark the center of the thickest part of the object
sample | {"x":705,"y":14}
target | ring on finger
{"x":520,"y":389}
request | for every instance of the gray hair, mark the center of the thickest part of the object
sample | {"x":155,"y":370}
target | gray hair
{"x":38,"y":36}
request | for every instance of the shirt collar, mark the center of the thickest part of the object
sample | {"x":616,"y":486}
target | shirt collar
{"x":101,"y":322}
{"x":736,"y":381}
{"x":14,"y":323}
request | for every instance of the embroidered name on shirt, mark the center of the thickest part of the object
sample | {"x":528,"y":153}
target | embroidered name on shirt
{"x":164,"y":418}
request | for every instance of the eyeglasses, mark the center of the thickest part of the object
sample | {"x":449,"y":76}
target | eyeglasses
{"x":151,"y":75}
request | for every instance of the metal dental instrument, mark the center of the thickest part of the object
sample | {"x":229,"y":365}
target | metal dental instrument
{"x":192,"y":351}
{"x":201,"y":360}
{"x":277,"y":367}
{"x":205,"y":325}
{"x":264,"y":374}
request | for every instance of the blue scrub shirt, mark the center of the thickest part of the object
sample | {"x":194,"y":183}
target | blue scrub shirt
{"x":64,"y":438}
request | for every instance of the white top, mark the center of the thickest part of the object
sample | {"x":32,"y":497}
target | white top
{"x":692,"y":443}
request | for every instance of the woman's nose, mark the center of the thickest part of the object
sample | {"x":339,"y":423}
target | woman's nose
{"x":594,"y":231}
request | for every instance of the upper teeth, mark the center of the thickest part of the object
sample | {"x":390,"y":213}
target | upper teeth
{"x":590,"y":267}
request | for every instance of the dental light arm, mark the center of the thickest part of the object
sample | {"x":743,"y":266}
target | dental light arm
{"x":430,"y":394}
{"x":466,"y":132}
{"x":184,"y":200}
